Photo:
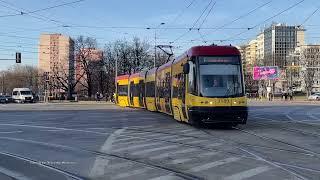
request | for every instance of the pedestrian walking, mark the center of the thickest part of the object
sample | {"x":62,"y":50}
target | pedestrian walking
{"x":260,"y":93}
{"x":97,"y":96}
{"x":290,"y":92}
{"x":269,"y":93}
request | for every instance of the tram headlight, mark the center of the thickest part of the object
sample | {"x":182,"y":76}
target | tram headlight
{"x":211,"y":102}
{"x":234,"y":102}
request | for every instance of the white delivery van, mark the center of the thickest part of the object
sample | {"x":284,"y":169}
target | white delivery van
{"x":22,"y":95}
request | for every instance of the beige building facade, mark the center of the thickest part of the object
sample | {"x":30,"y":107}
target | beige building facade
{"x":56,"y":57}
{"x":260,"y":48}
{"x":305,"y":59}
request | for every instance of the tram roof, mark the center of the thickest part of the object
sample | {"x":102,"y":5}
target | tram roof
{"x":152,"y":71}
{"x":135,"y":75}
{"x":168,"y":64}
{"x":213,"y":50}
{"x":122,"y":77}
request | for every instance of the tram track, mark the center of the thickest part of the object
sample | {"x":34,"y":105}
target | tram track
{"x":150,"y":164}
{"x":41,"y":165}
{"x":243,"y":146}
{"x":289,"y":129}
{"x":271,"y":162}
{"x":196,"y":137}
{"x":277,"y":140}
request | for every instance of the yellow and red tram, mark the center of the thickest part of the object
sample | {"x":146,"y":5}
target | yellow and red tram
{"x":203,"y":85}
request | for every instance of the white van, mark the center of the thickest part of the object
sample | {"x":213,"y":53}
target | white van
{"x":22,"y":95}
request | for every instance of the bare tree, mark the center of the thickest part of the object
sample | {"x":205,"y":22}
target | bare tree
{"x":19,"y":76}
{"x":86,"y":62}
{"x":308,"y":62}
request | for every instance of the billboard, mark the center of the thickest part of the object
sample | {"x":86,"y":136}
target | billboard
{"x":265,"y":72}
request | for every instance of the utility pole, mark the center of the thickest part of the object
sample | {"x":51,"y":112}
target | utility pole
{"x":155,"y":44}
{"x":3,"y":83}
{"x":155,"y":48}
{"x":115,"y":81}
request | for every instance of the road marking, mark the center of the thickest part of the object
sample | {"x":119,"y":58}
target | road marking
{"x":154,"y":134}
{"x":97,"y":128}
{"x":119,"y":165}
{"x":9,"y":132}
{"x":130,"y":141}
{"x":214,"y":144}
{"x":48,"y":127}
{"x":208,"y":154}
{"x":213,"y":164}
{"x":136,"y":146}
{"x":187,"y":130}
{"x":100,"y":163}
{"x":249,"y":173}
{"x":53,"y":130}
{"x":168,"y":177}
{"x":163,"y":155}
{"x":197,"y":141}
{"x":137,"y":133}
{"x":193,"y":134}
{"x":171,"y":137}
{"x":130,"y":173}
{"x":153,"y":149}
{"x":179,"y":161}
{"x":13,"y":174}
{"x":143,"y":126}
{"x":184,"y":138}
{"x":125,"y":140}
{"x":311,"y":115}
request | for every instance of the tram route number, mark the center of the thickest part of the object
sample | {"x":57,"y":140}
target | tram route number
{"x":227,"y":101}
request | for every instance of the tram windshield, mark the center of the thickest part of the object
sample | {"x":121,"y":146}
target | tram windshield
{"x":220,"y":80}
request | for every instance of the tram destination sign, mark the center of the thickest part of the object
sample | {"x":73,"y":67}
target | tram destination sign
{"x":265,"y":72}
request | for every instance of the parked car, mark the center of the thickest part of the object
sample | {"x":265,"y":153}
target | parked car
{"x":315,"y":96}
{"x":9,"y":99}
{"x":2,"y":99}
{"x":22,"y":95}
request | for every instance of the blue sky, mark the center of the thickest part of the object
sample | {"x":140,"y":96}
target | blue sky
{"x":21,"y":33}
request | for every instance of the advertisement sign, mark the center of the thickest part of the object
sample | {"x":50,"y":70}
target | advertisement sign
{"x":265,"y":72}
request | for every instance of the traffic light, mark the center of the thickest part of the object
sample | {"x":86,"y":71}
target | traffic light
{"x":18,"y":57}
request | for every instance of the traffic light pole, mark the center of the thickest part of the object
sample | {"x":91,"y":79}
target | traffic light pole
{"x":17,"y":59}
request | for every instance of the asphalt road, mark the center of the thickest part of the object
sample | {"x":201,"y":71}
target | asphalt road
{"x":103,"y":141}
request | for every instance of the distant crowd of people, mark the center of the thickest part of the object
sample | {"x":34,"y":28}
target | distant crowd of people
{"x":287,"y":93}
{"x":267,"y":93}
{"x":99,"y":97}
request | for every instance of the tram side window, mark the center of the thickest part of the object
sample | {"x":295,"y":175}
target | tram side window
{"x":141,"y":89}
{"x":122,"y":90}
{"x":192,"y":79}
{"x":159,"y":88}
{"x":150,"y":89}
{"x":135,"y":90}
{"x":178,"y":88}
{"x":167,"y":86}
{"x":175,"y":86}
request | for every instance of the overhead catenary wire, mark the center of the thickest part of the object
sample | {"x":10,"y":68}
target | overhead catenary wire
{"x":180,"y":14}
{"x":44,"y":18}
{"x":42,"y":9}
{"x":20,"y":10}
{"x":266,"y":20}
{"x":203,"y":21}
{"x":313,"y":13}
{"x":236,"y":19}
{"x":205,"y":18}
{"x":195,"y":22}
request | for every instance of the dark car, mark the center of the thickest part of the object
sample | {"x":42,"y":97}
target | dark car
{"x":3,"y":99}
{"x":9,"y":99}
